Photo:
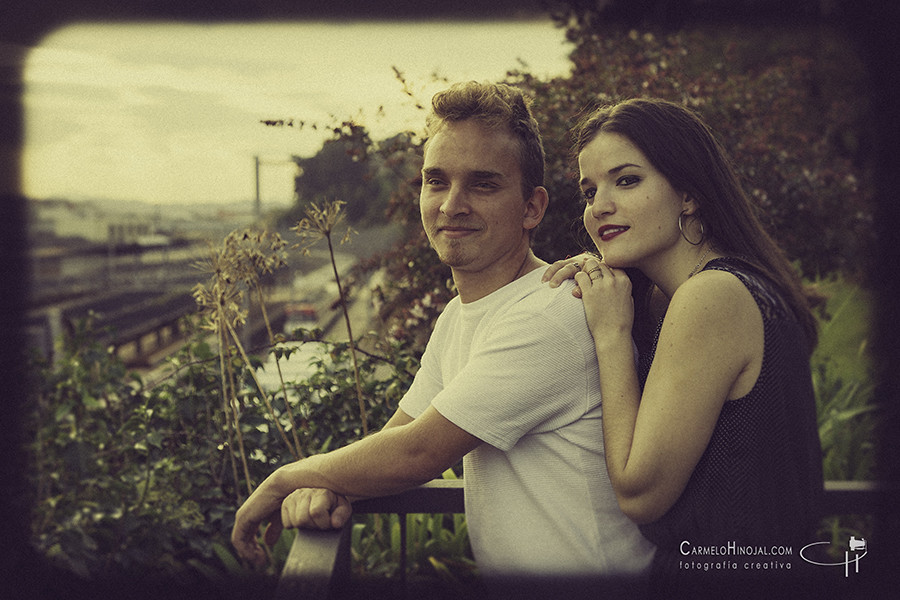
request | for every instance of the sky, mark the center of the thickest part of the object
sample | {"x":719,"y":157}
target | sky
{"x":171,"y":113}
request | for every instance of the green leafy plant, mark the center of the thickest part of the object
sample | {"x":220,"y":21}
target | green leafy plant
{"x":843,"y":382}
{"x":437,"y":545}
{"x":113,"y":488}
{"x":848,"y":415}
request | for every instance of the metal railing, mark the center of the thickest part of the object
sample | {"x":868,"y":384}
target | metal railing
{"x":320,"y":560}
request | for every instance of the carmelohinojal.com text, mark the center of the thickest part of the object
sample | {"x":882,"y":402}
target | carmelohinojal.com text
{"x":753,"y":558}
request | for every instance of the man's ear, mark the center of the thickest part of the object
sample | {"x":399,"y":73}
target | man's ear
{"x":535,"y":207}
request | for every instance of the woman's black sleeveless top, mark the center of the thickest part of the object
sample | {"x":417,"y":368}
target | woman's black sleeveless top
{"x":759,"y":482}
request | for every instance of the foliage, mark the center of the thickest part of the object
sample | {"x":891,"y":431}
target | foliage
{"x":320,"y":223}
{"x":843,"y":381}
{"x":793,"y":145}
{"x":848,"y":414}
{"x":130,"y":477}
{"x":125,"y":477}
{"x":136,"y":478}
{"x":436,"y":545}
{"x":235,"y":270}
{"x":341,"y":169}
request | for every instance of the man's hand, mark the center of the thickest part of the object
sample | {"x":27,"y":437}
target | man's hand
{"x":315,"y":508}
{"x":262,"y":505}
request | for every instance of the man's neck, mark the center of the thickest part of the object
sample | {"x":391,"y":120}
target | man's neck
{"x":475,"y":286}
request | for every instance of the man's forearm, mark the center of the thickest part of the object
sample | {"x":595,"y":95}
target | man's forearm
{"x":385,"y":463}
{"x":390,"y":461}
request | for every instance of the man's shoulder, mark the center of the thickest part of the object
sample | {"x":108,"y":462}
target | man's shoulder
{"x":552,"y":301}
{"x":525,"y":299}
{"x":546,"y":312}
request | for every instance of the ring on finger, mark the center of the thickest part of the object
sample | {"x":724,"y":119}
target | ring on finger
{"x":594,"y":270}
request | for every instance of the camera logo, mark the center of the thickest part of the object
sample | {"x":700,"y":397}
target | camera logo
{"x":857,"y":549}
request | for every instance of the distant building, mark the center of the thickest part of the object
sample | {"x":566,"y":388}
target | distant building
{"x":85,"y":221}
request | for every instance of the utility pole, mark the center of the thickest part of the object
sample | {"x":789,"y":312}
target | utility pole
{"x":257,"y":204}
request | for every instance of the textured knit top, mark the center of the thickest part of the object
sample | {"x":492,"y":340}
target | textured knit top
{"x":759,"y":481}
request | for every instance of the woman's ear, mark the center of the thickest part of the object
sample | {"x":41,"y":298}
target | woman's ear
{"x":688,"y":205}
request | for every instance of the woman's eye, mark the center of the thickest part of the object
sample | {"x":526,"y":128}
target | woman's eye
{"x":627,"y":180}
{"x":588,"y":194}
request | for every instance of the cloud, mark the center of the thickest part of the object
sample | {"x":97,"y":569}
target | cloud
{"x":170,"y":112}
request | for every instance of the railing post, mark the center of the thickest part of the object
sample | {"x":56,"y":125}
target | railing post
{"x":321,"y":562}
{"x":402,"y":518}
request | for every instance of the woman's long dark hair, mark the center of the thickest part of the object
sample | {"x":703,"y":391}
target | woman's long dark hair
{"x":684,"y":149}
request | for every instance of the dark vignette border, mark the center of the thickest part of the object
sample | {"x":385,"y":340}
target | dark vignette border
{"x":872,"y":26}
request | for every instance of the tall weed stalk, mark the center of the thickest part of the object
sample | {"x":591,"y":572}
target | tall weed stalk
{"x":320,"y":223}
{"x":235,"y":268}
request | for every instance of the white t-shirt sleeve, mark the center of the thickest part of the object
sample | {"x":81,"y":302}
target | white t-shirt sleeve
{"x":428,"y":381}
{"x":528,"y":374}
{"x":425,"y":386}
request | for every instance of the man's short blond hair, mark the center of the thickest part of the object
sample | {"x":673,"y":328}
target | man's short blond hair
{"x":497,"y":106}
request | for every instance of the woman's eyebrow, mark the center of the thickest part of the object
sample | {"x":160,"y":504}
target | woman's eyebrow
{"x":615,"y":170}
{"x":586,"y":180}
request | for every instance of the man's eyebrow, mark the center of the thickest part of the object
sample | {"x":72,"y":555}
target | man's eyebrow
{"x":486,"y":175}
{"x":429,"y":171}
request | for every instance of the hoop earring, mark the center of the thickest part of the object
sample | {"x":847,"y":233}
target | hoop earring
{"x":681,"y":229}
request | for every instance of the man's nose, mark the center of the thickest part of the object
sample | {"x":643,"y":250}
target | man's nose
{"x":455,"y":202}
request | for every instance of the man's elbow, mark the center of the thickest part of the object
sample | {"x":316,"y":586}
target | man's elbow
{"x":424,"y":465}
{"x":432,"y":447}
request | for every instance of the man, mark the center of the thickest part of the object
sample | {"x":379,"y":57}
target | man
{"x":508,"y":379}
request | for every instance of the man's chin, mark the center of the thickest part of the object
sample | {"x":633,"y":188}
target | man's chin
{"x":452,"y":257}
{"x":454,"y":262}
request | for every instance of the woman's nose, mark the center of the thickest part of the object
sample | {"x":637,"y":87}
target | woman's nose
{"x":602,"y":204}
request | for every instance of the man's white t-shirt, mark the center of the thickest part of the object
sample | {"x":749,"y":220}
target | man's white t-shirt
{"x":518,"y":370}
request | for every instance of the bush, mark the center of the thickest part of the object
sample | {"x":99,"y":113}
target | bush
{"x":124,"y":476}
{"x":145,"y":479}
{"x":135,"y":478}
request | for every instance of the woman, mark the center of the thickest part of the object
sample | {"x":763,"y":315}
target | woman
{"x":711,"y":439}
